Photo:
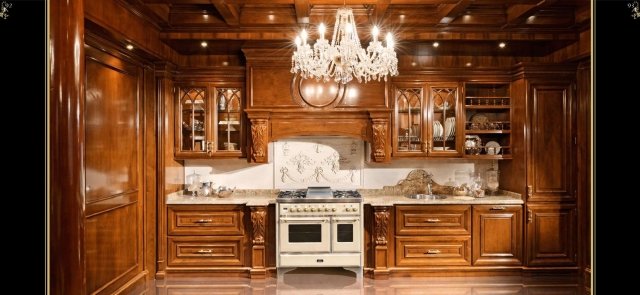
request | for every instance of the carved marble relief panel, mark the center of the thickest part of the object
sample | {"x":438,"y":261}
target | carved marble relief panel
{"x":318,"y":161}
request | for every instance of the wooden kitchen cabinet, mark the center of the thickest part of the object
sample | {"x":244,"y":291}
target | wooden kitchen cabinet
{"x":433,"y":235}
{"x":487,"y":121}
{"x":497,"y":235}
{"x":551,"y":235}
{"x":209,"y":121}
{"x":205,"y":236}
{"x":427,"y":119}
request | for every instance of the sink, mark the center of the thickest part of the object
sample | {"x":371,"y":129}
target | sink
{"x":426,"y":197}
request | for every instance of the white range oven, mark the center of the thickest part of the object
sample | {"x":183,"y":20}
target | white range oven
{"x":319,"y":228}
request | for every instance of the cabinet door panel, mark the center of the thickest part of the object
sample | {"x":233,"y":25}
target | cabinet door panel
{"x":551,"y":235}
{"x":551,"y":133}
{"x":497,"y":235}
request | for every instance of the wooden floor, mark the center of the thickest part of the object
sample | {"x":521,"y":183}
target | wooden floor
{"x":339,"y":282}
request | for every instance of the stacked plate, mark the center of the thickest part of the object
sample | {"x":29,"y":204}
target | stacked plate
{"x":450,"y":127}
{"x":438,"y":131}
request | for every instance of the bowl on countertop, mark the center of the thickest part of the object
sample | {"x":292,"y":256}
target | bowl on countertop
{"x":224,"y":192}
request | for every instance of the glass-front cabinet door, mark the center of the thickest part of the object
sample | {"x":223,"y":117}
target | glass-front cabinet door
{"x":209,"y":121}
{"x":192,"y":124}
{"x":444,"y":125}
{"x":408,"y":137}
{"x":228,"y":119}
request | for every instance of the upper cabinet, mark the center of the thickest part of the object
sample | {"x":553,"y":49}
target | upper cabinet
{"x":426,"y":119}
{"x":487,"y":121}
{"x":209,"y":121}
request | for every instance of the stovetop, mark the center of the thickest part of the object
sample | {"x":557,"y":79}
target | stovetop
{"x":319,"y":195}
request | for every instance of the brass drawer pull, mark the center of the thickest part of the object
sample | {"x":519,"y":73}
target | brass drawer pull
{"x":433,"y":220}
{"x":208,"y":251}
{"x":498,"y":208}
{"x":204,"y":221}
{"x":433,"y":251}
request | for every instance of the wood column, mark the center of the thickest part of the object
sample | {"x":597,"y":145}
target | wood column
{"x":381,"y":217}
{"x":66,"y":127}
{"x":258,"y":253}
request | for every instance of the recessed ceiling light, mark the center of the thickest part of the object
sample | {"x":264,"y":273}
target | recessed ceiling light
{"x":271,"y":17}
{"x":402,"y":16}
{"x":225,"y":63}
{"x":468,"y":64}
{"x":204,"y":44}
{"x":205,"y":16}
{"x":502,"y":45}
{"x":436,"y":44}
{"x":413,"y":64}
{"x":129,"y":46}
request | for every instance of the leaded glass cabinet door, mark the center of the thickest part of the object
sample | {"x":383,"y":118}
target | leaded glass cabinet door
{"x":228,"y":120}
{"x":192,"y":125}
{"x":409,"y":120}
{"x":444,"y":122}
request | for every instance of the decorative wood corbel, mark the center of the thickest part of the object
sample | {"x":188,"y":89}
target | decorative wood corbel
{"x":259,"y":140}
{"x":381,"y":217}
{"x":258,"y":254}
{"x":380,"y":136}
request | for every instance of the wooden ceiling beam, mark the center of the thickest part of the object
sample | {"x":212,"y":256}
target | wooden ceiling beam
{"x":518,"y":13}
{"x":229,"y":11}
{"x":302,"y":11}
{"x":450,"y":12}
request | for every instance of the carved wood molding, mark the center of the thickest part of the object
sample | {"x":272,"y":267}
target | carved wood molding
{"x":259,"y":140}
{"x":258,"y":220}
{"x":381,"y":219}
{"x":380,"y":134}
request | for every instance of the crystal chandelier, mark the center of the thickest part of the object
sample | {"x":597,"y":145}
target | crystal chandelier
{"x":344,"y":58}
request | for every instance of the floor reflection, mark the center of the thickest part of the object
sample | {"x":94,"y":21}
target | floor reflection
{"x":337,"y":281}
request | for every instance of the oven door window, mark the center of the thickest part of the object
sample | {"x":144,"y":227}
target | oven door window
{"x":305,"y":234}
{"x":347,"y":234}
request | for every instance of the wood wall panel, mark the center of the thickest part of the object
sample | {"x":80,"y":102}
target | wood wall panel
{"x":112,"y":246}
{"x":270,"y":87}
{"x":111,"y":131}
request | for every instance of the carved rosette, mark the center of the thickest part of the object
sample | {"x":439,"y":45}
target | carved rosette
{"x":258,"y":215}
{"x":380,"y":127}
{"x":381,"y":215}
{"x":259,"y":140}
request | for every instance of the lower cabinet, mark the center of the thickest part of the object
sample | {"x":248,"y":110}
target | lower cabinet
{"x":551,"y":235}
{"x":433,"y":250}
{"x":497,"y":235}
{"x":202,"y":236}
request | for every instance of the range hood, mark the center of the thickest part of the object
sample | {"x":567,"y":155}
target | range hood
{"x":281,"y":105}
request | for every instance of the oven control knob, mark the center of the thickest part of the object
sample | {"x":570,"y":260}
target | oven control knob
{"x":333,"y":209}
{"x":347,"y":209}
{"x":306,"y":209}
{"x":354,"y":209}
{"x":326,"y":209}
{"x":313,"y":209}
{"x":299,"y":209}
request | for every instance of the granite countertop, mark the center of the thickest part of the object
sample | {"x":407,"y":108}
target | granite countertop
{"x":372,"y":197}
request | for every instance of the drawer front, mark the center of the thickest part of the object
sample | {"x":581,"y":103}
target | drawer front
{"x":437,"y":250}
{"x":433,"y":220}
{"x":218,"y":220}
{"x":205,"y":251}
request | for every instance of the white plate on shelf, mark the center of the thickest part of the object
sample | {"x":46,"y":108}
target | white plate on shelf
{"x":492,"y":148}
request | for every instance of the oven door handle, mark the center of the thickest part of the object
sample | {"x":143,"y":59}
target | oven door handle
{"x":346,"y":219}
{"x":313,"y":220}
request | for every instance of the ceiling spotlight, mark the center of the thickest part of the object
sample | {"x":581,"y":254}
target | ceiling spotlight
{"x":502,"y":45}
{"x":436,"y":44}
{"x":205,"y":16}
{"x":468,"y":64}
{"x":129,"y":47}
{"x":413,"y":64}
{"x":204,"y":44}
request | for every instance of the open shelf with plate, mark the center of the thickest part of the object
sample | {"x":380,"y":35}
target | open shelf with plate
{"x":488,"y":118}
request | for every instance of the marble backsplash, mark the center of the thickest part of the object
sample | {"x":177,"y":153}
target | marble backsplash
{"x":338,"y":162}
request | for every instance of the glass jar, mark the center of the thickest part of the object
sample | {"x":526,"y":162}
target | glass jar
{"x":493,"y":180}
{"x":193,"y":183}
